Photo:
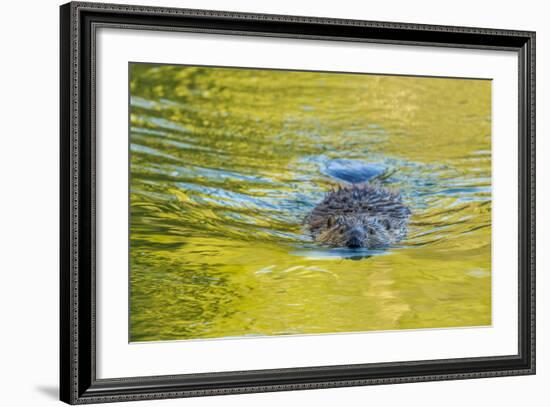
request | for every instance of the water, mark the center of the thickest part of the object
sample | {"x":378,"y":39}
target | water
{"x":225,"y":164}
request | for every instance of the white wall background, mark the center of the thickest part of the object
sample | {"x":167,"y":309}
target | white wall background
{"x":29,"y":163}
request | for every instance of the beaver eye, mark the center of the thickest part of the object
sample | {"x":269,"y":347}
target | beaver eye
{"x":371,"y":232}
{"x":386,"y":224}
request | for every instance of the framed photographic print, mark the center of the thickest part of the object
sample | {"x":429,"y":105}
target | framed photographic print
{"x":255,"y":203}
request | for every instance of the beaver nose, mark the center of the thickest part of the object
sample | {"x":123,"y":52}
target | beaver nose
{"x":353,"y":243}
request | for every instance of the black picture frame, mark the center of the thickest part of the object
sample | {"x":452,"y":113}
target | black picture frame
{"x":78,"y":382}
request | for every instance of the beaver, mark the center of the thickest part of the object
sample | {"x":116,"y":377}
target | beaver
{"x":366,"y":215}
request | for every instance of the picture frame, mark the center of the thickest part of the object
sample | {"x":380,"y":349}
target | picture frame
{"x":79,"y":382}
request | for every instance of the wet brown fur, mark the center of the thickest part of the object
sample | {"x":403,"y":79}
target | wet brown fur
{"x":359,"y":216}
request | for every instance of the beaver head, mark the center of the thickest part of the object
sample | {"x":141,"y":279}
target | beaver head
{"x":359,"y":216}
{"x":356,"y":231}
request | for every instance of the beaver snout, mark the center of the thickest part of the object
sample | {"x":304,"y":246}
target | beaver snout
{"x":354,"y":241}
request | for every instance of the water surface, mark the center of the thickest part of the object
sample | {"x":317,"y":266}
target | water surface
{"x":225,"y":164}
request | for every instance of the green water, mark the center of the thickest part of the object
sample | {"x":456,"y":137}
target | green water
{"x":225,"y":164}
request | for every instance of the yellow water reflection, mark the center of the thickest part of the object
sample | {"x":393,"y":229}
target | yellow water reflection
{"x":225,"y":164}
